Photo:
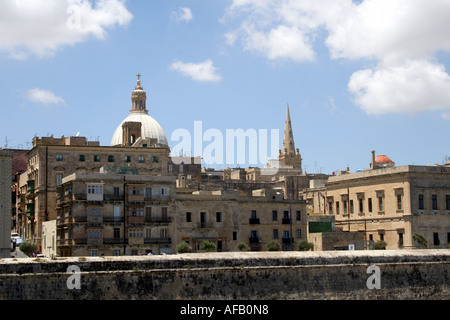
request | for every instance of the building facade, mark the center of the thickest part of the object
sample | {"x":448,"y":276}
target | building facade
{"x":393,"y":204}
{"x":5,"y":203}
{"x":228,"y":218}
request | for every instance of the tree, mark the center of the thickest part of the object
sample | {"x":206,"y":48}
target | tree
{"x":208,"y":246}
{"x":420,"y":239}
{"x":183,"y":247}
{"x":304,"y":245}
{"x":242,"y":246}
{"x":380,"y":245}
{"x":273,"y":246}
{"x":28,"y":248}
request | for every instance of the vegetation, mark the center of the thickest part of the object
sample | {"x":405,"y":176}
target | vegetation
{"x":241,"y":246}
{"x":208,"y":246}
{"x":28,"y":248}
{"x":304,"y":245}
{"x":380,"y":245}
{"x":420,"y":239}
{"x":273,"y":246}
{"x":183,"y":247}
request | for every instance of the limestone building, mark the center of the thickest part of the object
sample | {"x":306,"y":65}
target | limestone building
{"x":228,"y":218}
{"x":114,"y":214}
{"x":139,"y":144}
{"x":391,"y":203}
{"x":5,"y":203}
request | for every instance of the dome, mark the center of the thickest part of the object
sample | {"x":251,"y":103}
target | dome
{"x":383,"y":159}
{"x":150,"y":129}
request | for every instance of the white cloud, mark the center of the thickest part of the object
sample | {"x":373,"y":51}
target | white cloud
{"x":401,"y":37}
{"x":409,"y":88}
{"x":45,"y":97}
{"x":182,"y":15}
{"x":41,"y":27}
{"x":203,"y":71}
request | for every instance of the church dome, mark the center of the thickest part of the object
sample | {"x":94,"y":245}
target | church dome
{"x":383,"y":159}
{"x":138,"y":123}
{"x":150,"y":129}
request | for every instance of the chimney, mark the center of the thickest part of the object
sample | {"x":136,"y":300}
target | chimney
{"x":372,"y":164}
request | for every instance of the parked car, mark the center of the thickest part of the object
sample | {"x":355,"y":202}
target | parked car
{"x":18,"y":240}
{"x":37,"y":254}
{"x":14,"y":235}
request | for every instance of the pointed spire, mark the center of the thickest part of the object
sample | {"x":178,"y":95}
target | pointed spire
{"x":288,"y":142}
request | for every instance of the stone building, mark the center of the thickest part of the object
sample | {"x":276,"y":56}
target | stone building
{"x":5,"y":203}
{"x":114,"y":214}
{"x":51,"y":159}
{"x":227,"y":218}
{"x":391,"y":203}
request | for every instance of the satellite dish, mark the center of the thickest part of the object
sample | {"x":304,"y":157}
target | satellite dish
{"x":78,"y":134}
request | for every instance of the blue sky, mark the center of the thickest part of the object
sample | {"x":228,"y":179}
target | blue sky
{"x":358,"y":76}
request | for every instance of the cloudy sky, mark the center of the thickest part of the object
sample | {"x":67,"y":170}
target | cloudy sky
{"x":357,"y":75}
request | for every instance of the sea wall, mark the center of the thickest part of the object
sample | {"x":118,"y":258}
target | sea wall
{"x":396,"y":274}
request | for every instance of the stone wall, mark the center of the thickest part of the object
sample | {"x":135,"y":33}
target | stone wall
{"x":418,"y":274}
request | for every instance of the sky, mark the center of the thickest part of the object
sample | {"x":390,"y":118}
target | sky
{"x":357,"y":75}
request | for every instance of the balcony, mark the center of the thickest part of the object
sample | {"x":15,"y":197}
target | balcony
{"x":254,"y":240}
{"x":112,"y":241}
{"x":30,"y":210}
{"x":286,"y":221}
{"x":157,"y":240}
{"x":254,"y":221}
{"x":157,"y":198}
{"x":287,"y":240}
{"x":205,"y":225}
{"x":158,"y":219}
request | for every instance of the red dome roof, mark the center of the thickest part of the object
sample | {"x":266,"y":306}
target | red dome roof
{"x":382,"y":159}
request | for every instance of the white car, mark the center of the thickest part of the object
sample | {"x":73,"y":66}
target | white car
{"x":18,"y":240}
{"x":14,"y":235}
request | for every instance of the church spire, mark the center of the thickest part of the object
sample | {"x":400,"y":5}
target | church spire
{"x":139,"y":98}
{"x":288,"y":142}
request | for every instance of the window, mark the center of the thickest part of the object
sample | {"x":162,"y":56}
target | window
{"x":234,"y":235}
{"x":447,"y":201}
{"x":59,"y":177}
{"x":286,"y":234}
{"x":399,"y":202}
{"x":116,"y":191}
{"x":436,"y":241}
{"x":81,"y":158}
{"x":370,"y":204}
{"x":434,"y":202}
{"x":218,"y":217}
{"x":275,"y":233}
{"x":380,"y":204}
{"x":274,"y":215}
{"x":141,"y":159}
{"x":299,"y":233}
{"x":361,"y":206}
{"x":94,"y":211}
{"x":136,"y":212}
{"x":345,"y":207}
{"x":116,"y":253}
{"x":188,"y":217}
{"x":95,"y":189}
{"x":155,"y":159}
{"x":337,"y":208}
{"x":330,"y":207}
{"x":110,"y":158}
{"x":96,"y":158}
{"x":127,"y":159}
{"x":116,"y":233}
{"x":286,"y":215}
{"x":400,"y":239}
{"x":253,"y":214}
{"x":59,"y":157}
{"x":421,"y":205}
{"x":351,"y":206}
{"x":299,"y":215}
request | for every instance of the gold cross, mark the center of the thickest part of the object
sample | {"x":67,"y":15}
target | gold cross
{"x":139,"y":76}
